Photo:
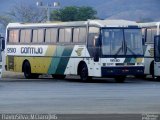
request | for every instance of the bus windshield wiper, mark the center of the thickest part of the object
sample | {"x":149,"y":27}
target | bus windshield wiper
{"x":133,"y":53}
{"x":118,"y":51}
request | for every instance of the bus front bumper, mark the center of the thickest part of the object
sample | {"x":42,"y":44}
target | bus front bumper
{"x":112,"y":71}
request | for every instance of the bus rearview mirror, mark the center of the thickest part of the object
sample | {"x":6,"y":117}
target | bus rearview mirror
{"x":2,"y":40}
{"x":96,"y":41}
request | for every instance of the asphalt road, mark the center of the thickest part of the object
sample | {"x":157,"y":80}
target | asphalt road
{"x":72,"y":96}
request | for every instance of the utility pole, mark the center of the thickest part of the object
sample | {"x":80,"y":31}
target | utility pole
{"x":48,"y":7}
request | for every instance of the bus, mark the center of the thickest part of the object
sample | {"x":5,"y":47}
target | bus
{"x":149,"y":31}
{"x":93,"y":48}
{"x":157,"y":57}
{"x":2,"y":47}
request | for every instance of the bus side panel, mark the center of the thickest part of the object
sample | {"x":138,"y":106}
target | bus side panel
{"x":14,"y":63}
{"x":38,"y":64}
{"x":80,"y":53}
{"x":42,"y":64}
{"x":148,"y":57}
{"x":59,"y":63}
{"x":147,"y":63}
{"x":10,"y":63}
{"x":18,"y":63}
{"x":55,"y":60}
{"x":77,"y":55}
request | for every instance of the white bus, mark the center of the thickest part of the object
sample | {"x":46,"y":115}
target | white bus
{"x":157,"y":57}
{"x":149,"y":31}
{"x":95,"y":48}
{"x":2,"y":47}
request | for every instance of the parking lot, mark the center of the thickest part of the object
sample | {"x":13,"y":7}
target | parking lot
{"x":47,"y":95}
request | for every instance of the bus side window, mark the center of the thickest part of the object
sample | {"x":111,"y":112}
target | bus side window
{"x":93,"y":31}
{"x":151,"y":32}
{"x":154,"y":33}
{"x":51,"y":35}
{"x":79,"y":35}
{"x":35,"y":36}
{"x":25,"y":36}
{"x":144,"y":35}
{"x":68,"y":35}
{"x":149,"y":35}
{"x":82,"y":34}
{"x":13,"y":36}
{"x":76,"y":35}
{"x":65,"y":35}
{"x":61,"y":35}
{"x":38,"y":36}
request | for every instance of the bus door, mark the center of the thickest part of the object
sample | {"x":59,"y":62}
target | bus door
{"x":94,"y":50}
{"x":157,"y":55}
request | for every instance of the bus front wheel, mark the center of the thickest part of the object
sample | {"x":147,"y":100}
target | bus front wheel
{"x":84,"y":73}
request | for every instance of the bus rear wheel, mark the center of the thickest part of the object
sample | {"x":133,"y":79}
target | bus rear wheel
{"x":120,"y":79}
{"x":27,"y":71}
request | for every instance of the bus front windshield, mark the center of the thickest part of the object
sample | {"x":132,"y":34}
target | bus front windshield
{"x":122,"y":42}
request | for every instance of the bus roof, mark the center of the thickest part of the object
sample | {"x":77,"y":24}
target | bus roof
{"x":113,"y":23}
{"x":99,"y":23}
{"x":149,"y":24}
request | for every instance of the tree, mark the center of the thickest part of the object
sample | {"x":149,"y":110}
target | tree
{"x":85,"y":13}
{"x":73,"y":13}
{"x":4,"y":20}
{"x":27,"y":13}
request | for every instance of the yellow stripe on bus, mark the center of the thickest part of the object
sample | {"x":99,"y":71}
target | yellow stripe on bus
{"x":139,"y":60}
{"x":50,"y":51}
{"x":38,"y":64}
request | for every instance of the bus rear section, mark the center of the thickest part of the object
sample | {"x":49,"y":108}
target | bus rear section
{"x":157,"y":56}
{"x":149,"y":31}
{"x":157,"y":53}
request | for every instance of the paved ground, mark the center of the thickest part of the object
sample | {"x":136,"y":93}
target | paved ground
{"x":72,"y":96}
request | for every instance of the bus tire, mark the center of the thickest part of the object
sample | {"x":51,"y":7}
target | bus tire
{"x":152,"y":70}
{"x":120,"y":79}
{"x":27,"y":71}
{"x":83,"y":72}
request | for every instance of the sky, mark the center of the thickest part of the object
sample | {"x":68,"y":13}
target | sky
{"x":114,"y":9}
